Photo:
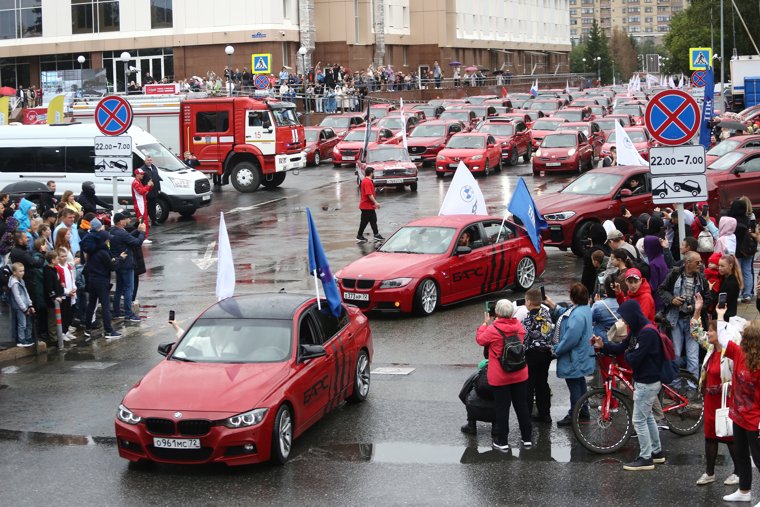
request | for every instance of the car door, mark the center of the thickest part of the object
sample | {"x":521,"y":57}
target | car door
{"x":466,"y":271}
{"x":596,"y":139}
{"x":522,"y":139}
{"x":637,"y":203}
{"x":498,"y":263}
{"x":584,"y":147}
{"x":330,"y":143}
{"x":493,"y":151}
{"x":314,"y":384}
{"x":211,"y":136}
{"x":339,"y":342}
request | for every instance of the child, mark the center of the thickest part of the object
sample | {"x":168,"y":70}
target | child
{"x":712,"y":274}
{"x":538,"y":353}
{"x":67,"y":278}
{"x":53,"y":290}
{"x":22,"y":309}
{"x":597,"y":260}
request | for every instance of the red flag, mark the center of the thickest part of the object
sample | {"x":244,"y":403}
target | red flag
{"x":504,"y":92}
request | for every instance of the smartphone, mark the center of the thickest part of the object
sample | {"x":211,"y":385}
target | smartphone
{"x":543,"y":293}
{"x":622,"y":210}
{"x":171,"y":315}
{"x":491,"y":308}
{"x":722,"y":297}
{"x":705,"y":210}
{"x":520,"y":302}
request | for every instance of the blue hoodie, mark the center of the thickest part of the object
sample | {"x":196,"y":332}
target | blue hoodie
{"x":22,"y":214}
{"x":642,"y":347}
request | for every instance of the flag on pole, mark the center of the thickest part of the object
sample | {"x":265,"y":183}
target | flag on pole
{"x":225,"y":267}
{"x":680,"y":82}
{"x":627,"y":154}
{"x":464,"y":196}
{"x":368,"y":127}
{"x":403,"y":125}
{"x":522,"y":206}
{"x":534,"y":88}
{"x":55,"y":110}
{"x":671,"y":83}
{"x":708,"y":108}
{"x":319,"y":266}
{"x":567,"y":87}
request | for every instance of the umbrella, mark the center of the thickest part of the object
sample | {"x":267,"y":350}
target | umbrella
{"x":732,"y":125}
{"x":455,"y":64}
{"x":7,"y":90}
{"x":497,"y":72}
{"x":471,"y":68}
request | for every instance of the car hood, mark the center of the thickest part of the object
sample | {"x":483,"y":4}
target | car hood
{"x":380,"y":166}
{"x":386,"y":266}
{"x":541,"y":133}
{"x":205,"y":387}
{"x":557,"y":152}
{"x":461,"y":152}
{"x":351,"y":145}
{"x":424,"y":141}
{"x":556,"y":202}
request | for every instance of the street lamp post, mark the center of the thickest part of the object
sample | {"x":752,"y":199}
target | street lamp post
{"x":125,"y":57}
{"x":81,"y":60}
{"x":599,"y":69}
{"x":302,"y":51}
{"x":229,"y":51}
{"x":584,"y":65}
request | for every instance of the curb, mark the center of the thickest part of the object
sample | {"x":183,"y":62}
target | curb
{"x":14,"y":353}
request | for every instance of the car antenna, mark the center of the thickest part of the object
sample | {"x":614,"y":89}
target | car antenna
{"x":283,"y":291}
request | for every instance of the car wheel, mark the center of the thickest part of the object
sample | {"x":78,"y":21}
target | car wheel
{"x":246,"y":177}
{"x":162,"y":210}
{"x":317,"y":159}
{"x":276,"y":181}
{"x":413,"y":187}
{"x":486,"y":169}
{"x":515,"y":158}
{"x":525,"y":276}
{"x":694,"y":193}
{"x":361,"y":378}
{"x":579,"y":238}
{"x":580,"y":165}
{"x":282,"y":435}
{"x":426,"y":297}
{"x":528,"y":153}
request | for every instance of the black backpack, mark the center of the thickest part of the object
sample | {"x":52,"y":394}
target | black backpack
{"x":5,"y":277}
{"x":513,"y":355}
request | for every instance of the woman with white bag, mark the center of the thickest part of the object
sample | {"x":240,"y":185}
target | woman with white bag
{"x":714,"y":381}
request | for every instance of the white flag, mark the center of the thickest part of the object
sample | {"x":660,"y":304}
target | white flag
{"x":680,"y":82}
{"x":464,"y":196}
{"x":225,"y":268}
{"x":627,"y":154}
{"x":671,"y":83}
{"x":403,"y":124}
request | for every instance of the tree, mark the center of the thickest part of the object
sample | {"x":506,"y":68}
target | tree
{"x":597,"y":47}
{"x":623,"y":54}
{"x":577,"y":54}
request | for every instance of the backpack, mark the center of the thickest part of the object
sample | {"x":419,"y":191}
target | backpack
{"x":669,"y":369}
{"x":5,"y":277}
{"x":513,"y":355}
{"x":705,"y":242}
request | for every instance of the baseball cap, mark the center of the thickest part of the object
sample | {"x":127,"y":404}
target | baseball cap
{"x":139,"y":171}
{"x":95,"y":224}
{"x":633,"y":273}
{"x":614,"y":234}
{"x":124,"y":215}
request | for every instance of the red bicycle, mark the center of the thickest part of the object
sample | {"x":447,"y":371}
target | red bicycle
{"x":610,"y":422}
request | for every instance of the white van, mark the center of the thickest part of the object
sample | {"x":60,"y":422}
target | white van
{"x":65,"y":153}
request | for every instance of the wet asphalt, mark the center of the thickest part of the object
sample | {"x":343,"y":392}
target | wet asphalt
{"x":401,"y":447}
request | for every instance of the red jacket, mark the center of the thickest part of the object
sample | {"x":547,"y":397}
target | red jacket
{"x":644,"y":297}
{"x":489,"y":337}
{"x":139,"y":193}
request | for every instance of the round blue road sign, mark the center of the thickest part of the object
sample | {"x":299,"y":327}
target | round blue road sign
{"x":113,"y":115}
{"x":261,"y":81}
{"x":672,"y":117}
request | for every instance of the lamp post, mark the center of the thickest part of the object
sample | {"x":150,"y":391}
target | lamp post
{"x":229,"y":51}
{"x":125,"y":57}
{"x":599,"y":68}
{"x":302,"y":51}
{"x":584,"y":65}
{"x":81,"y":60}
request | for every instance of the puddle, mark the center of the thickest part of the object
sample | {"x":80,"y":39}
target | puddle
{"x":38,"y":437}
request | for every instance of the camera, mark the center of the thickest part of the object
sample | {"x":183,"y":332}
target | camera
{"x":687,"y":308}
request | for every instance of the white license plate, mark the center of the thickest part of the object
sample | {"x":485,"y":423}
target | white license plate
{"x":416,"y":158}
{"x":453,"y":166}
{"x":394,"y":181}
{"x":553,"y":164}
{"x":206,"y":197}
{"x":177,"y":443}
{"x":346,"y":157}
{"x":352,"y":296}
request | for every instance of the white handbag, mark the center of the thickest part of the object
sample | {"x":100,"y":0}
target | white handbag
{"x":724,"y":427}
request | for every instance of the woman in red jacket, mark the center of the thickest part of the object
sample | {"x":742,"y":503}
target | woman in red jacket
{"x":509,"y":388}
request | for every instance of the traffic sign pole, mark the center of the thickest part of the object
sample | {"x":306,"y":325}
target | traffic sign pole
{"x":681,"y":222}
{"x":113,"y":117}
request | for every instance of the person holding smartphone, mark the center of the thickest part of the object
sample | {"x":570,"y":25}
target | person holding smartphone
{"x":731,"y":285}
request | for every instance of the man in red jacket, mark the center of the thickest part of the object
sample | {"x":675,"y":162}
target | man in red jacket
{"x":367,"y":205}
{"x":140,"y":198}
{"x":638,"y":290}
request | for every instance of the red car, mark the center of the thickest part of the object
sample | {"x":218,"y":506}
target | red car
{"x":480,"y":99}
{"x":429,"y":138}
{"x":564,"y":150}
{"x":734,"y":174}
{"x":640,"y":138}
{"x":320,"y":142}
{"x":393,"y":167}
{"x":635,"y":110}
{"x":342,"y":123}
{"x":348,"y":149}
{"x":431,"y":111}
{"x":627,"y":119}
{"x":466,"y":117}
{"x":251,"y":374}
{"x":394,"y":123}
{"x":573,"y":114}
{"x":543,"y":127}
{"x":594,"y":197}
{"x":482,"y":112}
{"x":377,"y":111}
{"x":598,"y":111}
{"x":607,"y":124}
{"x":731,"y":144}
{"x":441,"y":260}
{"x":548,"y":107}
{"x":502,"y":102}
{"x":479,"y":152}
{"x":518,"y":115}
{"x":512,"y":135}
{"x":592,"y":131}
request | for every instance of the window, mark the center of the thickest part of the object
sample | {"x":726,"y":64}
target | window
{"x":212,"y":121}
{"x":663,"y":18}
{"x":662,"y":8}
{"x":573,"y":12}
{"x":494,"y":231}
{"x":20,"y":19}
{"x":330,"y":325}
{"x":94,"y":16}
{"x":648,"y":19}
{"x":80,"y":159}
{"x":648,"y":10}
{"x":587,"y":10}
{"x":160,"y":14}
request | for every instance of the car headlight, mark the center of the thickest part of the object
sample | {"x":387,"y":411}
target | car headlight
{"x":562,"y":215}
{"x":409,"y":170}
{"x":434,"y":147}
{"x":395,"y":283}
{"x":538,"y":152}
{"x":571,"y":152}
{"x":179,"y":183}
{"x":250,"y":418}
{"x":126,"y":415}
{"x":440,"y":158}
{"x":477,"y":157}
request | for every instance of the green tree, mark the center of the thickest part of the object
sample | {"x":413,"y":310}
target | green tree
{"x":623,"y":54}
{"x":598,"y":47}
{"x":577,"y":54}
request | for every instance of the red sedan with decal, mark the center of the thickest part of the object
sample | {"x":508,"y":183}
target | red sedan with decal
{"x":441,"y":260}
{"x":250,"y":375}
{"x":479,"y":152}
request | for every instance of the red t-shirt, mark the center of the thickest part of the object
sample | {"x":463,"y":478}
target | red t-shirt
{"x":368,"y":189}
{"x":745,"y":385}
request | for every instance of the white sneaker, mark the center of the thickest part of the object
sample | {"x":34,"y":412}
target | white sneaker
{"x":738,"y":496}
{"x":71,"y":336}
{"x":66,"y":338}
{"x":731,"y":480}
{"x":147,"y":242}
{"x":705,"y":479}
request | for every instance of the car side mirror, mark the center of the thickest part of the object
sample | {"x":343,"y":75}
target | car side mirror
{"x":626,"y":192}
{"x":311,"y":352}
{"x":165,"y":348}
{"x":739,"y":170}
{"x":462,"y":250}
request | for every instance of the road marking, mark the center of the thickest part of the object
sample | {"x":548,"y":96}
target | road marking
{"x":207,"y":260}
{"x":392,"y":371}
{"x":94,"y":365}
{"x":254,"y":206}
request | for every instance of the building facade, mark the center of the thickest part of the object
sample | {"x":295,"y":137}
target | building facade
{"x":181,"y":38}
{"x":639,"y":18}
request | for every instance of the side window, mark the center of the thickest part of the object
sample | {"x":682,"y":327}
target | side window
{"x":255,"y":119}
{"x":307,"y":331}
{"x":495,"y":230}
{"x":17,"y":160}
{"x":454,"y":129}
{"x":50,"y":159}
{"x":329,"y":324}
{"x":491,"y":140}
{"x":205,"y":121}
{"x":81,"y":159}
{"x":752,"y":165}
{"x":329,"y":133}
{"x":471,"y":237}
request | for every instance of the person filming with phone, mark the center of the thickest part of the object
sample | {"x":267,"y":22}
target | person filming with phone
{"x":730,"y":285}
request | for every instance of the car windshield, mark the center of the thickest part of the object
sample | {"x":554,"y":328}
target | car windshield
{"x":341,"y":122}
{"x":607,"y":124}
{"x":456,"y":115}
{"x":388,"y":154}
{"x":546,"y":125}
{"x":570,"y":115}
{"x":162,"y":157}
{"x":358,"y":135}
{"x":593,"y":184}
{"x":428,"y":110}
{"x":312,"y":136}
{"x":479,"y":111}
{"x":429,"y":131}
{"x":466,"y":142}
{"x":236,"y":341}
{"x":636,"y":137}
{"x":419,"y":240}
{"x":544,"y":106}
{"x":632,"y":110}
{"x":727,"y":161}
{"x":559,"y":141}
{"x":723,"y":147}
{"x":498,"y":129}
{"x":391,"y":123}
{"x":285,"y":117}
{"x":578,"y":128}
{"x":379,"y":112}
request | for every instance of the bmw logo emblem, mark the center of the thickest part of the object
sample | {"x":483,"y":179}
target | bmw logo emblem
{"x":178,"y":415}
{"x":467,"y":193}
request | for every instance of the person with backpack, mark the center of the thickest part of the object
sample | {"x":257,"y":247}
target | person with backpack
{"x":507,"y":372}
{"x":658,"y":268}
{"x":644,"y":352}
{"x":746,"y":242}
{"x":575,"y":357}
{"x":539,"y":329}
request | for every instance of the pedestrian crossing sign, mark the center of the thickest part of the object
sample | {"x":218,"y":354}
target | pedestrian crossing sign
{"x":700,"y":58}
{"x":261,"y":63}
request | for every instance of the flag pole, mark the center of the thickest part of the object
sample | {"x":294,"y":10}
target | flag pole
{"x":501,"y":228}
{"x":316,"y":287}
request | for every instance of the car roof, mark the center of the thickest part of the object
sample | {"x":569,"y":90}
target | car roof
{"x":577,"y":124}
{"x":273,"y":305}
{"x":472,"y":134}
{"x":622,"y":170}
{"x":440,"y":122}
{"x":450,"y":220}
{"x":565,"y":132}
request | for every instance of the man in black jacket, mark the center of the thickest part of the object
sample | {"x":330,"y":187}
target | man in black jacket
{"x":89,"y":201}
{"x":151,"y":171}
{"x":99,"y":266}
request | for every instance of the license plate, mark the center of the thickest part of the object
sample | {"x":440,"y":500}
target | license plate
{"x":347,"y":157}
{"x":453,"y":166}
{"x":177,"y":443}
{"x":352,"y":296}
{"x":206,"y":197}
{"x":416,"y":158}
{"x":553,"y":164}
{"x":394,"y":181}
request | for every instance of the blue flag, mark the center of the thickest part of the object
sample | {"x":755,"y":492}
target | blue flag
{"x":523,"y":207}
{"x":707,"y":109}
{"x":318,"y":262}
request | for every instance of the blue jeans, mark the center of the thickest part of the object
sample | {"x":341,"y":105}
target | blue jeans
{"x":682,"y":339}
{"x":748,"y":278}
{"x":125,"y":283}
{"x":21,"y":324}
{"x":577,"y":388}
{"x":643,"y":420}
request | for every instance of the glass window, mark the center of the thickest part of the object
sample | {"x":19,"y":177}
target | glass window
{"x":160,"y":14}
{"x":496,"y":231}
{"x":94,"y":16}
{"x":419,"y":240}
{"x":20,"y":19}
{"x":80,"y":159}
{"x":330,"y":325}
{"x":16,"y":160}
{"x":50,"y":160}
{"x":212,"y":121}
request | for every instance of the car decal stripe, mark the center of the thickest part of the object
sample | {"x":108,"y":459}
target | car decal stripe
{"x":342,"y":370}
{"x":510,"y":260}
{"x":502,"y":256}
{"x":334,"y":387}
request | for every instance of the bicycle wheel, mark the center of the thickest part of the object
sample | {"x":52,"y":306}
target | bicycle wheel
{"x":682,"y":404}
{"x":603,"y":434}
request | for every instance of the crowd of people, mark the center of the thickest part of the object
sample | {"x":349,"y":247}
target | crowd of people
{"x":643,"y":291}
